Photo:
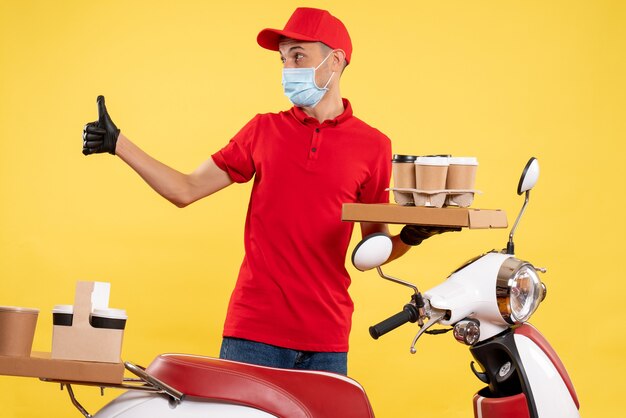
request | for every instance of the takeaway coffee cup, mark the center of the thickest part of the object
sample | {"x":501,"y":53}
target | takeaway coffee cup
{"x":462,"y":173}
{"x":108,"y":318}
{"x":431,"y":173}
{"x":17,"y":330}
{"x":63,"y":315}
{"x":403,"y":168}
{"x":461,"y":179}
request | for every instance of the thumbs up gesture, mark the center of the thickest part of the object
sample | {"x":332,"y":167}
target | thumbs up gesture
{"x":100,"y":136}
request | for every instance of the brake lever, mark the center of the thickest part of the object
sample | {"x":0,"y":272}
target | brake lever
{"x":436,"y":316}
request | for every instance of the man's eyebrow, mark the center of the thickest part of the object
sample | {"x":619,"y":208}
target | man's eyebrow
{"x":292,"y":48}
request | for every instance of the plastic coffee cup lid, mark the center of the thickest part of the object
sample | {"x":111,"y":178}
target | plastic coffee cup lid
{"x":65,"y":309}
{"x":19,"y":309}
{"x":400,"y":158}
{"x":440,"y":161}
{"x":464,"y":161}
{"x":110,"y":313}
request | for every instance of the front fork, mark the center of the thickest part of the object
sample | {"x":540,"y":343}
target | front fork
{"x":508,"y":388}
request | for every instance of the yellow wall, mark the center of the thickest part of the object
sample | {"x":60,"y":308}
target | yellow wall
{"x":501,"y":80}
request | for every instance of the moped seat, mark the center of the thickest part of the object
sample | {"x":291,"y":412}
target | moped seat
{"x":281,"y":392}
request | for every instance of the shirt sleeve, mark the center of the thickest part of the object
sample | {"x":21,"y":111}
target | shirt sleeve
{"x":373,"y":190}
{"x":236,"y":158}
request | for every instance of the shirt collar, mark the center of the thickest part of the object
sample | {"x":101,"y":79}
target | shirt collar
{"x":305,"y":119}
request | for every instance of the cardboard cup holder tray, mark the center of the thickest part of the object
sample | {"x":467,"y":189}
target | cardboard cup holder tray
{"x":433,"y":198}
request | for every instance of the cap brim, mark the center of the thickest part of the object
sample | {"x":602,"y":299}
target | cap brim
{"x":269,"y":38}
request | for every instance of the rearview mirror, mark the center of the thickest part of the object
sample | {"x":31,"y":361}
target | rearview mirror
{"x":373,"y":251}
{"x":529,"y":177}
{"x":527,"y":181}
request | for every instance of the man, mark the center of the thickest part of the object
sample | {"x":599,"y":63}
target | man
{"x":290,"y":307}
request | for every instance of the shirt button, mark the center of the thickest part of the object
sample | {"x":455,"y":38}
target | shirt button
{"x":313,"y":149}
{"x":317,"y":130}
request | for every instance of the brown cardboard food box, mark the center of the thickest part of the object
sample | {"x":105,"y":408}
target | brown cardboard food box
{"x":42,"y":366}
{"x":448,"y":216}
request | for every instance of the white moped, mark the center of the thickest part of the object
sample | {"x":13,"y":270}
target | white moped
{"x":486,"y":303}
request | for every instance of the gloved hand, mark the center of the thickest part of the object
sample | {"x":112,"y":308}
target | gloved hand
{"x":100,"y":136}
{"x":415,"y":234}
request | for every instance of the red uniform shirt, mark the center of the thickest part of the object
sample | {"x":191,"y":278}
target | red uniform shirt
{"x":292,"y":289}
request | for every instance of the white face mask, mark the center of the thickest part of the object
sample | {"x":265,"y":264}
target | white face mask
{"x":300,"y":87}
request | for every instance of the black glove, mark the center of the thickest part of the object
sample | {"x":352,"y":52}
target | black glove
{"x":101,"y":135}
{"x":415,"y":234}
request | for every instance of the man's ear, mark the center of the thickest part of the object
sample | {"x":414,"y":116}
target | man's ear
{"x":339,"y":59}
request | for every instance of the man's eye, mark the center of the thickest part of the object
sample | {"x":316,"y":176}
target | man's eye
{"x":299,"y":57}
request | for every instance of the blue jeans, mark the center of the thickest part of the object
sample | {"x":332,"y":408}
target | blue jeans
{"x":261,"y":354}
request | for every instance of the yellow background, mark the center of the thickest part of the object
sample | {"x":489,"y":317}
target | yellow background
{"x":500,"y":80}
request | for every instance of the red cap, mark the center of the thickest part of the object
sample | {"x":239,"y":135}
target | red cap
{"x":312,"y":25}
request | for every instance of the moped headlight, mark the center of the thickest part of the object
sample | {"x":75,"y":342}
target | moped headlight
{"x":518,"y":290}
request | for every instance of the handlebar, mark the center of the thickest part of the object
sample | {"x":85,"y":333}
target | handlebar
{"x":408,"y":314}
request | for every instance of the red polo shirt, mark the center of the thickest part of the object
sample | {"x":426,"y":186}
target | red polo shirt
{"x":292,"y":289}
